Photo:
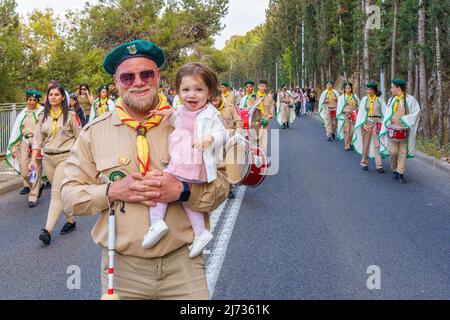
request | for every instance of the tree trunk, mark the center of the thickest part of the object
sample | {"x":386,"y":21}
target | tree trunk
{"x":394,"y":40}
{"x":416,"y":84}
{"x":439,"y":100}
{"x":366,"y":44}
{"x":411,"y":64}
{"x":423,"y":72}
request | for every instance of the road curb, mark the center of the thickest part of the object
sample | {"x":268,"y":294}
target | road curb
{"x":11,"y":185}
{"x":442,"y":166}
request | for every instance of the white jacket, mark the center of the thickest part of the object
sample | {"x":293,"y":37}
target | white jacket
{"x":208,"y":123}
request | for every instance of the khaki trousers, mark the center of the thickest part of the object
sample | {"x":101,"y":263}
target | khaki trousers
{"x":285,"y":113}
{"x":24,"y":159}
{"x":367,"y":137}
{"x":54,"y":169}
{"x":330,"y":124}
{"x":349,"y":128}
{"x":399,"y":153}
{"x":172,"y":277}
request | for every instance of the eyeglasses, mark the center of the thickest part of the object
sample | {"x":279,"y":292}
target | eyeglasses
{"x":128,"y":78}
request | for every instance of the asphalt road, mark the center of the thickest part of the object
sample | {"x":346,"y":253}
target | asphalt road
{"x":309,"y":232}
{"x":312,"y":231}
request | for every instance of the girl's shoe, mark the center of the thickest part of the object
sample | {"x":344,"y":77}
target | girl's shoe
{"x":157,"y":230}
{"x":200,"y":243}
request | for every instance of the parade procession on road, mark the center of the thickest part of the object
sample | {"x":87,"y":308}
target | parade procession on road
{"x":154,"y":163}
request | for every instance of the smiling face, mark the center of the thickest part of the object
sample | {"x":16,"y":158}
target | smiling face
{"x":103,"y":94}
{"x":142,"y":94}
{"x":193,"y":93}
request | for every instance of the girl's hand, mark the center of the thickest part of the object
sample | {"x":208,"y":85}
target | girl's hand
{"x":165,"y":114}
{"x":205,"y":143}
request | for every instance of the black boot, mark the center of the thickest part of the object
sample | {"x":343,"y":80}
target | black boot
{"x":395,"y":175}
{"x":68,"y":227}
{"x":402,"y":178}
{"x":45,"y":237}
{"x":380,"y":170}
{"x":329,"y":138}
{"x":287,"y":125}
{"x":334,"y":136}
{"x":25,"y":190}
{"x":284,"y":126}
{"x":365,"y":168}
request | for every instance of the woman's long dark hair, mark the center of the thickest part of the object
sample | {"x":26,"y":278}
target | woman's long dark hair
{"x":65,"y":103}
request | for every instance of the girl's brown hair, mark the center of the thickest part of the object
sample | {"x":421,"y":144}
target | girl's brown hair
{"x":198,"y":70}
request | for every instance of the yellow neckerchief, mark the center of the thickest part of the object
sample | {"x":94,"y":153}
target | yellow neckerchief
{"x":226,"y":94}
{"x":330,"y":95}
{"x":261,"y":105}
{"x":55,"y":116}
{"x":222,"y":105}
{"x":397,"y":100}
{"x":101,"y":108}
{"x":372,"y":103}
{"x":142,"y":129}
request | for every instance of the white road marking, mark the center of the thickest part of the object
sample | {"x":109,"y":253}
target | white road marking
{"x":223,"y":237}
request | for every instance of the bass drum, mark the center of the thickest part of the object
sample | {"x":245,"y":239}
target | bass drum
{"x":245,"y":164}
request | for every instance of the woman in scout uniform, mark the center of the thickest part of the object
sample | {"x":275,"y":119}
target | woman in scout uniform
{"x":232,"y":122}
{"x":327,"y":109}
{"x":102,"y":104}
{"x":284,"y":115}
{"x":346,"y":115}
{"x":400,"y":124}
{"x":55,"y":133}
{"x":18,"y":154}
{"x":367,"y":127}
{"x":85,"y":99}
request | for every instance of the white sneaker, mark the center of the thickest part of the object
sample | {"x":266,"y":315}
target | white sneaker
{"x":200,"y":243}
{"x":155,"y":233}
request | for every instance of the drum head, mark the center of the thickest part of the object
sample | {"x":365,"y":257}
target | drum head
{"x":237,"y":162}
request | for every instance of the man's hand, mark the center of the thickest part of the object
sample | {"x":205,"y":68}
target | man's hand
{"x":165,"y":114}
{"x":132,"y":189}
{"x":149,"y":189}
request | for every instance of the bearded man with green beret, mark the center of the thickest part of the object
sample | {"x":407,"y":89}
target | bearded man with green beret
{"x":18,"y":154}
{"x":118,"y":164}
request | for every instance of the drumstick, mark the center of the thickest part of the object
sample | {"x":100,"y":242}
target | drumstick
{"x":110,"y":295}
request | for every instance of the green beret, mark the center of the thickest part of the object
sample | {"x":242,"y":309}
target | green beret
{"x":225,"y":84}
{"x":372,"y":85}
{"x":133,"y":49}
{"x":329,"y":82}
{"x":399,"y":82}
{"x":33,"y":93}
{"x":283,"y":85}
{"x":103,"y":86}
{"x":249,"y":82}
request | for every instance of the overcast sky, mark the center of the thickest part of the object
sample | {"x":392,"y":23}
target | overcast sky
{"x":243,"y":15}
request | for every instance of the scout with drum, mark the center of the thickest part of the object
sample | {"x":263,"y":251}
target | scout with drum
{"x":233,"y":123}
{"x":262,"y":115}
{"x":19,"y":150}
{"x":106,"y":178}
{"x":400,"y":124}
{"x":367,"y":127}
{"x":57,"y":129}
{"x":346,"y":115}
{"x":327,"y":109}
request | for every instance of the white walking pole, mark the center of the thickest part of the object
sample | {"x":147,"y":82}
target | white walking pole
{"x":110,"y":295}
